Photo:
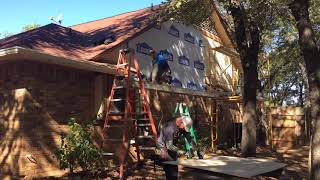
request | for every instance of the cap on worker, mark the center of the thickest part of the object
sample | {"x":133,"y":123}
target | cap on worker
{"x":187,"y":122}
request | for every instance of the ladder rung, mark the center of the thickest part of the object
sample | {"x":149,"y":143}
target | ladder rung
{"x":144,"y":137}
{"x":146,"y":148}
{"x":119,"y":87}
{"x":141,"y":119}
{"x":114,"y":140}
{"x":130,"y":120}
{"x":127,"y":120}
{"x":185,"y":114}
{"x":108,"y":154}
{"x":141,"y":113}
{"x":115,"y":113}
{"x":142,"y":125}
{"x":118,"y":99}
{"x":121,"y":65}
{"x":115,"y":126}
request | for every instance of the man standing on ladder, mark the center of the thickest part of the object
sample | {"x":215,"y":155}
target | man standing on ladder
{"x":167,"y":142}
{"x":161,"y":71}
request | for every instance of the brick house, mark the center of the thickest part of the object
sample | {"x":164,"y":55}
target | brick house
{"x":53,"y":73}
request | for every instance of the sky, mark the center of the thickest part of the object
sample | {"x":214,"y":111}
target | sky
{"x":17,"y":13}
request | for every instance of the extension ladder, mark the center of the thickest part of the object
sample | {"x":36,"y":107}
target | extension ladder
{"x":183,"y":110}
{"x":128,"y":113}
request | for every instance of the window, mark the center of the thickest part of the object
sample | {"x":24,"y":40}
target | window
{"x":192,"y":85}
{"x":144,"y":48}
{"x":201,"y":43}
{"x":175,"y":82}
{"x":184,"y":60}
{"x":203,"y":87}
{"x":167,"y":55}
{"x":174,"y":31}
{"x":199,"y":65}
{"x":189,"y":38}
{"x":137,"y":25}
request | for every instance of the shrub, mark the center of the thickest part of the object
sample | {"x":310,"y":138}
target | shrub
{"x":77,"y":148}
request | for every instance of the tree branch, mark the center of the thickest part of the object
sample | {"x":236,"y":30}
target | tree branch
{"x":239,"y":26}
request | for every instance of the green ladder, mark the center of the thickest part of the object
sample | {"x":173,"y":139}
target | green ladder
{"x":183,"y":110}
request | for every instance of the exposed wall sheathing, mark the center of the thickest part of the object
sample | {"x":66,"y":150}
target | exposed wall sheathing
{"x":219,"y":69}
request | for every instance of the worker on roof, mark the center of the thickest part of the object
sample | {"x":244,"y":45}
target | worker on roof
{"x":167,"y":142}
{"x":161,"y":72}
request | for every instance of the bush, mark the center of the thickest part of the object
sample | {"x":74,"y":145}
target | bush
{"x":78,"y":150}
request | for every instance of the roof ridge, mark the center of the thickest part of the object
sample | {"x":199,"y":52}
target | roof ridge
{"x":22,"y":36}
{"x":109,"y":17}
{"x":23,"y":32}
{"x":27,"y":32}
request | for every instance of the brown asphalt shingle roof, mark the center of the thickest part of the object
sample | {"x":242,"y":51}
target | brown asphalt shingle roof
{"x":82,"y":41}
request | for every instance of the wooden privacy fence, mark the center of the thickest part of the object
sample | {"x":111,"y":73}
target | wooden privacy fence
{"x":288,"y":127}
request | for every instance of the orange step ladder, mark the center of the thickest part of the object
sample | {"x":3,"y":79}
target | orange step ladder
{"x":128,"y":111}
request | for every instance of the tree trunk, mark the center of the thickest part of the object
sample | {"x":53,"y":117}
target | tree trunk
{"x":248,"y":48}
{"x":305,"y":84}
{"x":301,"y":104}
{"x":311,"y":54}
{"x":248,"y":141}
{"x":306,"y":100}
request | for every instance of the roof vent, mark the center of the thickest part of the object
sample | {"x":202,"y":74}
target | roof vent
{"x":110,"y":39}
{"x":106,"y":40}
{"x":137,"y":25}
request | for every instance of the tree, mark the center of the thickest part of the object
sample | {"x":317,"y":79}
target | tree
{"x":311,"y":53}
{"x":29,"y":27}
{"x":286,"y":68}
{"x":248,"y":42}
{"x":250,"y":19}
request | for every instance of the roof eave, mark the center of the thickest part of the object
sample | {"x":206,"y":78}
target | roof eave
{"x":20,"y":54}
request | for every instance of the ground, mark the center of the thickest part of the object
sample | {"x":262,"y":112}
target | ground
{"x":297,"y":160}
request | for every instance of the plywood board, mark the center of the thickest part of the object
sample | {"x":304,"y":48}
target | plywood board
{"x":234,"y":166}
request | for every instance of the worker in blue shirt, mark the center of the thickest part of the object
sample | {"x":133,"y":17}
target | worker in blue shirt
{"x":161,"y":72}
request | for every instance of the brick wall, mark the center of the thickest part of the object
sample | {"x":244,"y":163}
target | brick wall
{"x":36,"y":102}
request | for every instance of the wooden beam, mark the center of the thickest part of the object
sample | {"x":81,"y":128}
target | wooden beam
{"x":227,"y":50}
{"x":184,"y":91}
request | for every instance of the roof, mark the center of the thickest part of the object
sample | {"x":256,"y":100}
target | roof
{"x":15,"y":53}
{"x":82,"y":41}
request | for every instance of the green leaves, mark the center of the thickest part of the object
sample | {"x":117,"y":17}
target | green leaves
{"x":77,"y":149}
{"x":29,"y":27}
